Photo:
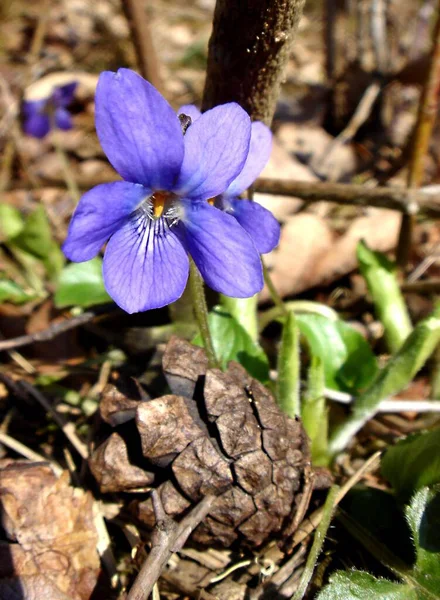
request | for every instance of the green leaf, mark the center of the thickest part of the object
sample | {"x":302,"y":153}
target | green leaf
{"x":81,"y":284}
{"x":419,"y":582}
{"x":314,"y":413}
{"x":35,"y":240}
{"x":388,"y":300}
{"x":413,"y":463}
{"x":423,"y":515}
{"x":397,"y":374}
{"x":348,"y":361}
{"x":35,"y":237}
{"x":358,"y":585}
{"x":287,"y":392}
{"x":232,"y":342}
{"x":11,"y":222}
{"x":12,"y":292}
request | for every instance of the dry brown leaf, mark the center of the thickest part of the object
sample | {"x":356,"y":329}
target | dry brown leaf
{"x":283,"y":166}
{"x":308,"y":254}
{"x":49,"y":524}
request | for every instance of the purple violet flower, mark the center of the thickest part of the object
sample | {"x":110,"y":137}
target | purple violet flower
{"x":40,"y":115}
{"x":159,"y":214}
{"x":259,"y":222}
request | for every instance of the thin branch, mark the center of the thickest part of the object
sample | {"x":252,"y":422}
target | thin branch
{"x":20,"y":448}
{"x":401,"y":199}
{"x":169,"y":538}
{"x":318,"y":542}
{"x":53,"y":330}
{"x":427,"y":286}
{"x":67,"y":428}
{"x":313,"y":520}
{"x":425,"y":122}
{"x":359,"y":117}
{"x":140,"y":32}
{"x":379,"y":35}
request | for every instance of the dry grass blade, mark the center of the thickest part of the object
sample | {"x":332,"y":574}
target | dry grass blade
{"x":312,"y":521}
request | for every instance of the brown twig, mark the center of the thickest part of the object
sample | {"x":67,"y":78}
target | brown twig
{"x":427,"y":286}
{"x":52,"y":331}
{"x":140,"y":32}
{"x":379,"y":35}
{"x":169,"y":537}
{"x":248,"y":51}
{"x":20,"y":448}
{"x":312,"y":521}
{"x":425,"y":122}
{"x":32,"y":58}
{"x":401,"y":199}
{"x":359,"y":117}
{"x":66,"y":428}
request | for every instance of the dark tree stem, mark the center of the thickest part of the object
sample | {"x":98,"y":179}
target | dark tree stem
{"x":248,"y":52}
{"x":140,"y":32}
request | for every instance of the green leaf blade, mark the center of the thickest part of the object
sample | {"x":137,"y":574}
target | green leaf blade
{"x":232,"y":342}
{"x":348,"y":361}
{"x":359,"y":585}
{"x":379,"y":273}
{"x":288,"y":382}
{"x":413,"y":463}
{"x":81,"y":284}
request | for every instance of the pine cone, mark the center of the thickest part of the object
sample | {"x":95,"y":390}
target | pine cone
{"x":218,"y":433}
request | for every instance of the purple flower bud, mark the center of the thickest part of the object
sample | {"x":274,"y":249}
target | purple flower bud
{"x":43,"y":114}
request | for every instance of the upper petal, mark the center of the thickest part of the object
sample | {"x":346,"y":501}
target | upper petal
{"x":145,"y":265}
{"x":63,"y":95}
{"x":191,"y":111}
{"x":259,"y":222}
{"x":259,"y":153}
{"x":138,"y":130}
{"x":216,"y":147}
{"x":222,"y":250}
{"x":98,"y":215}
{"x":63,"y":119}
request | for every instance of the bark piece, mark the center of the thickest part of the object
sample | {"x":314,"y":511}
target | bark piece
{"x":183,"y":364}
{"x":257,"y":528}
{"x":52,"y":525}
{"x":274,"y":500}
{"x":286,"y":476}
{"x":211,"y":529}
{"x":172,"y":501}
{"x":115,"y":407}
{"x":201,"y":470}
{"x":222,"y":393}
{"x":253,"y":471}
{"x":239,"y":432}
{"x":233,"y":507}
{"x":113,"y":470}
{"x":166,"y":427}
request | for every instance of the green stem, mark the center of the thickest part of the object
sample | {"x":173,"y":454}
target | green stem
{"x":318,"y":542}
{"x":276,"y":298}
{"x":201,"y":312}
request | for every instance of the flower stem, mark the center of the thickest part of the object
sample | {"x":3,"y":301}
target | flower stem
{"x":276,"y":298}
{"x":201,"y":312}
